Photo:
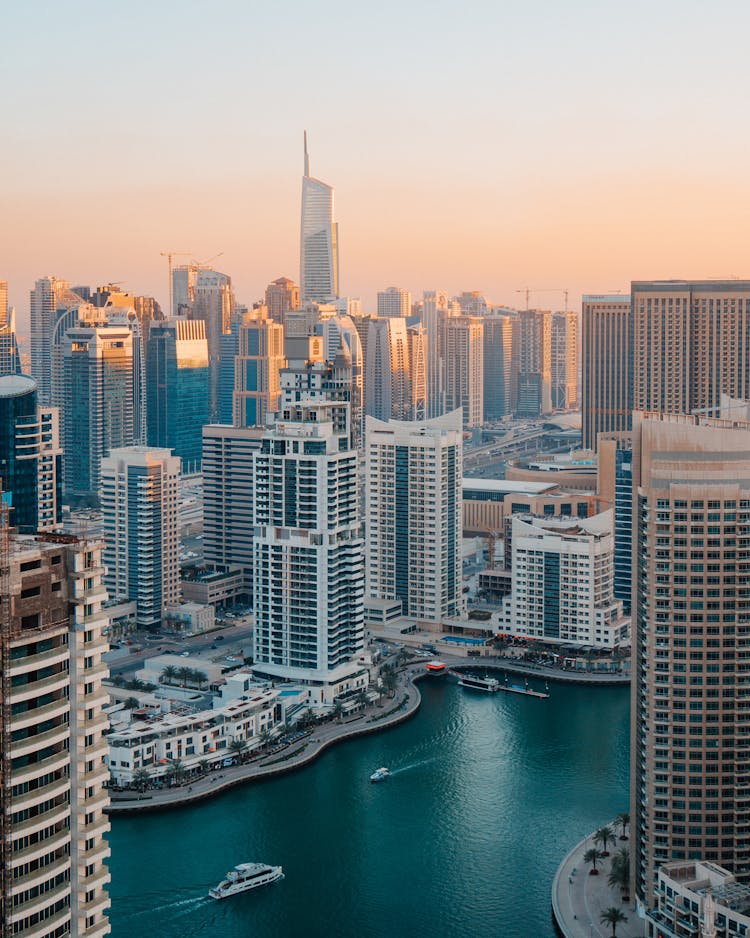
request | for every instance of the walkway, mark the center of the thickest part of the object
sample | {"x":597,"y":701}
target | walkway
{"x":517,"y":666}
{"x":404,"y":705}
{"x":578,"y":899}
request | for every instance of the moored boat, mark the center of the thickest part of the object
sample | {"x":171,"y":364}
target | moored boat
{"x":490,"y":684}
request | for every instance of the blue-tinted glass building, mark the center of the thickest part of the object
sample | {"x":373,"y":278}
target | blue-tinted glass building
{"x":177,"y":388}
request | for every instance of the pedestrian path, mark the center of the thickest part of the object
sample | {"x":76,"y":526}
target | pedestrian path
{"x":578,"y":899}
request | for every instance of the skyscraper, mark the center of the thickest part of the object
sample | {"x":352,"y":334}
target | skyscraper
{"x":256,"y":369}
{"x":98,"y":402}
{"x":690,"y":763}
{"x":435,"y":309}
{"x":564,"y":361}
{"x":3,"y":302}
{"x":414,"y":507}
{"x":177,"y":387}
{"x":500,"y":333}
{"x":52,"y":743}
{"x":139,"y":512}
{"x":388,"y":391}
{"x":691,"y":344}
{"x":282,"y":296}
{"x":341,"y":341}
{"x":395,"y":303}
{"x":463,"y":355}
{"x":606,"y":367}
{"x":319,"y":248}
{"x":54,"y":309}
{"x":417,"y":340}
{"x":534,"y":397}
{"x":30,"y":456}
{"x":308,"y":569}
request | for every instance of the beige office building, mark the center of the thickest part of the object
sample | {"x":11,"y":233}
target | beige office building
{"x":690,"y":714}
{"x":564,"y":361}
{"x":282,"y":297}
{"x":52,"y":738}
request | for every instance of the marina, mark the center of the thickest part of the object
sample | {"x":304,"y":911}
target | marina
{"x":492,"y":685}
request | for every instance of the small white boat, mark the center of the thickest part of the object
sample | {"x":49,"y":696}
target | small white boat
{"x":490,"y":684}
{"x":380,"y":775}
{"x":246,"y":876}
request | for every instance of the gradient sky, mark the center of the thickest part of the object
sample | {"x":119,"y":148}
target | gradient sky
{"x":482,"y":145}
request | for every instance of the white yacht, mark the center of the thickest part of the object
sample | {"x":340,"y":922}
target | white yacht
{"x":246,"y":876}
{"x":380,"y":775}
{"x":490,"y":684}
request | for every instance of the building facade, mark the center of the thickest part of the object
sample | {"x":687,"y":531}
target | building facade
{"x":394,"y":303}
{"x":564,"y":361}
{"x":54,"y":308}
{"x":282,"y":296}
{"x":308,"y":568}
{"x":606,"y":367}
{"x":53,"y":824}
{"x":500,"y":334}
{"x":177,"y":387}
{"x":414,"y":514}
{"x":463,"y":353}
{"x":534,"y":392}
{"x":259,"y":360}
{"x":388,"y":390}
{"x":690,"y":775}
{"x":319,"y":240}
{"x":139,"y":512}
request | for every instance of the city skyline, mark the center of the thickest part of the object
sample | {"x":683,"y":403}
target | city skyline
{"x":571,"y":183}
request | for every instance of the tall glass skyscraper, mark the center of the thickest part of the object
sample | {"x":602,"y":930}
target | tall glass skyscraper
{"x":177,"y":383}
{"x":319,"y":248}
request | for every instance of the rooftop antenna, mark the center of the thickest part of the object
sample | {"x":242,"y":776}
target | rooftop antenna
{"x":307,"y":157}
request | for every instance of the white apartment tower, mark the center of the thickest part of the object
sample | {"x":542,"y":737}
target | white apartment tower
{"x":414,"y":511}
{"x":308,"y":570}
{"x":319,"y":250}
{"x":387,"y":370}
{"x":563,"y":581}
{"x":394,"y":303}
{"x":52,"y":737}
{"x":54,"y":308}
{"x":139,"y":508}
{"x":463,"y":355}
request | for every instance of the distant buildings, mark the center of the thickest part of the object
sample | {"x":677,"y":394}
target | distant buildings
{"x":500,"y":377}
{"x":534,"y":396}
{"x":388,"y":385}
{"x":564,"y":361}
{"x":139,"y":512}
{"x":463,"y":354}
{"x":30,"y":456}
{"x":436,"y":307}
{"x":177,"y":381}
{"x":690,"y":767}
{"x":319,"y":249}
{"x":414,"y":515}
{"x":394,"y":303}
{"x":562,"y":581}
{"x":308,"y":568}
{"x":54,"y":308}
{"x":53,"y":745}
{"x":607,"y":381}
{"x":282,"y":296}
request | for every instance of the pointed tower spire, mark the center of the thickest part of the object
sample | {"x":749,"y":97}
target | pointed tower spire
{"x":307,"y":157}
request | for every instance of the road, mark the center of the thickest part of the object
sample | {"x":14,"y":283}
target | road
{"x":228,"y":640}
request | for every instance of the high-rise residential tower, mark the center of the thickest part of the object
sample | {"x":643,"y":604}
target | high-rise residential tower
{"x":259,"y":360}
{"x":4,"y":303}
{"x":319,"y":247}
{"x":97,"y":412}
{"x":30,"y":456}
{"x":414,"y":510}
{"x":139,"y":512}
{"x":52,"y":738}
{"x":282,"y":296}
{"x":690,"y":712}
{"x":177,"y":387}
{"x":435,"y":309}
{"x":308,"y":568}
{"x":463,"y":355}
{"x":388,"y":391}
{"x":534,"y":395}
{"x":564,"y":361}
{"x":395,"y":303}
{"x":417,"y":340}
{"x":606,"y":367}
{"x":500,"y":333}
{"x":54,"y":309}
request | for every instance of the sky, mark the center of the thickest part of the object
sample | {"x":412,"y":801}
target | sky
{"x":492,"y":146}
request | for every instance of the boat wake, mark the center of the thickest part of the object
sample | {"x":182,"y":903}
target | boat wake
{"x":412,"y":765}
{"x":180,"y":906}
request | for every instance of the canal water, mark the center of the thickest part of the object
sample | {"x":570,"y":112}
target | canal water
{"x":488,"y":792}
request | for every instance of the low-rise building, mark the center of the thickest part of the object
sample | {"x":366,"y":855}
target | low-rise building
{"x":213,"y":584}
{"x":157,"y":742}
{"x":188,"y":618}
{"x":697,"y":899}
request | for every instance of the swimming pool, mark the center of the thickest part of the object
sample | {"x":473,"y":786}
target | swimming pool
{"x":462,"y":640}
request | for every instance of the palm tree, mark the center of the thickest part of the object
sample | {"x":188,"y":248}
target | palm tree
{"x":238,"y":747}
{"x":200,"y":677}
{"x":118,"y":680}
{"x":390,"y":680}
{"x":184,"y":675}
{"x":362,"y":698}
{"x":203,"y":766}
{"x":265,"y":739}
{"x":175,"y":770}
{"x":591,"y":856}
{"x":623,"y":819}
{"x":338,"y":710}
{"x":620,"y":875}
{"x":168,"y":675}
{"x":613,"y":916}
{"x":604,"y":836}
{"x":130,"y":703}
{"x":141,"y":779}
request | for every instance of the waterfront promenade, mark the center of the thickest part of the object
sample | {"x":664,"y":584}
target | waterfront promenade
{"x":404,"y":705}
{"x":578,"y":899}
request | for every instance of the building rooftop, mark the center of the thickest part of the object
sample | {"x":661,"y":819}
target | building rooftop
{"x":16,"y":385}
{"x":508,"y":487}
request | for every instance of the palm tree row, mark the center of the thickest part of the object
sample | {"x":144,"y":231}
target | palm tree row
{"x":185,"y":676}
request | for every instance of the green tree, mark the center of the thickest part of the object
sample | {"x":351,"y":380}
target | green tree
{"x":620,"y":873}
{"x":623,"y":819}
{"x":338,"y":710}
{"x":613,"y":916}
{"x":118,"y":680}
{"x":604,"y":836}
{"x":168,"y":675}
{"x":142,"y":779}
{"x":203,"y":766}
{"x":175,"y":771}
{"x":130,"y":703}
{"x":200,"y":677}
{"x":592,"y":856}
{"x":184,"y":675}
{"x":237,"y":747}
{"x":390,"y":680}
{"x":265,"y":739}
{"x":362,"y":698}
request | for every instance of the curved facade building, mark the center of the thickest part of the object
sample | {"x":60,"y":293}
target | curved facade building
{"x":319,"y":250}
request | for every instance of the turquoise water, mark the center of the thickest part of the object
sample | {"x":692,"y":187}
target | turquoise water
{"x":488,"y":793}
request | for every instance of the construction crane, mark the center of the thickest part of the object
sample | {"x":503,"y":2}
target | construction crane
{"x":198,"y":264}
{"x":527,"y":291}
{"x":169,"y":255}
